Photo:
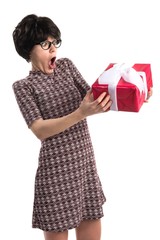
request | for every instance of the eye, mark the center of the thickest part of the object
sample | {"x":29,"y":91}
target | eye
{"x":57,"y":43}
{"x":45,"y":44}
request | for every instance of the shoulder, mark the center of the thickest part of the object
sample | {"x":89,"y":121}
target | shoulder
{"x":67,"y":62}
{"x":21,"y":84}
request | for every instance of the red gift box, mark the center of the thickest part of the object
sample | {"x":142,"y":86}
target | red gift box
{"x":127,"y":86}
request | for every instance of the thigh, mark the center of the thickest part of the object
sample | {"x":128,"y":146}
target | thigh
{"x":89,"y":230}
{"x":56,"y":235}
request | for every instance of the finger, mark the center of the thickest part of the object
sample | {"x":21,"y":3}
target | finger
{"x":101,"y":97}
{"x":107,"y":106}
{"x":89,"y":95}
{"x":89,"y":92}
{"x":105,"y":100}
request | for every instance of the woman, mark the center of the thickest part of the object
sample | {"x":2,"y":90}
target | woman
{"x":55,"y":101}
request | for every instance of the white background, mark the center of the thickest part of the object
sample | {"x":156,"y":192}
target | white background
{"x":126,"y":145}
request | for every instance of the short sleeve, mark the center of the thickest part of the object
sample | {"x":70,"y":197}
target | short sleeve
{"x":79,"y":81}
{"x":26,"y":102}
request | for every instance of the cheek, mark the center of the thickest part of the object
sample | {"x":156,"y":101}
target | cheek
{"x":39,"y":57}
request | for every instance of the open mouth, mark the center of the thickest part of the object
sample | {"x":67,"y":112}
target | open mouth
{"x":52,"y":62}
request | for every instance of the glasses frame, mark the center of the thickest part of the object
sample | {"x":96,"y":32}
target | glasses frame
{"x":54,"y":42}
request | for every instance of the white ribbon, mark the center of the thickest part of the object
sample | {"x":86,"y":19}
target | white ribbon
{"x":129,"y":74}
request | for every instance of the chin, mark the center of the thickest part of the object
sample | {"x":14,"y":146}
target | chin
{"x":49,"y":71}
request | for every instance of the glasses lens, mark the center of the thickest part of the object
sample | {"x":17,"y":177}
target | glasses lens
{"x":57,"y":43}
{"x":45,"y":45}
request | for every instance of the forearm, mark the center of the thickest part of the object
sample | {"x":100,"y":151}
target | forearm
{"x":50,"y":127}
{"x":47,"y":128}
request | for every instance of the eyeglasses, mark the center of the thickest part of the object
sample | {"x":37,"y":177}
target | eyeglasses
{"x":47,"y":44}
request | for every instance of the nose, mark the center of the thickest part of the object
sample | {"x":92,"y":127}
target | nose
{"x":52,"y":47}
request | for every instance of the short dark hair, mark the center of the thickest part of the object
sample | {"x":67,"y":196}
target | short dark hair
{"x":32,"y":30}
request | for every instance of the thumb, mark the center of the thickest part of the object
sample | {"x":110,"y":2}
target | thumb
{"x":89,"y":95}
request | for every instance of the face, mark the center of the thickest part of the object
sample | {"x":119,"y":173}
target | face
{"x":43,"y":60}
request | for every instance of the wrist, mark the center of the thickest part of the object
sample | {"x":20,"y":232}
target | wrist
{"x":80,"y":114}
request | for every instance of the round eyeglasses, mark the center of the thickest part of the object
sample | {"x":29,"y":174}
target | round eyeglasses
{"x":47,"y":44}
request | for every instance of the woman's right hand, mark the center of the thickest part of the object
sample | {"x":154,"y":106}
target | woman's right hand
{"x":89,"y":106}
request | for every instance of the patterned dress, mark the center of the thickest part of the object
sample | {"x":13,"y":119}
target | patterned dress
{"x":67,"y":186}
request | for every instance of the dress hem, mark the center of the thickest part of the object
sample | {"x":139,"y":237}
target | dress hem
{"x":69,"y":228}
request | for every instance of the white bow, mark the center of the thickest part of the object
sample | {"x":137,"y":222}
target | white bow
{"x":129,"y":74}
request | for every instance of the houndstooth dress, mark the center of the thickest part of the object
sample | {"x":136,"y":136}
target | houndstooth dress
{"x":67,"y":185}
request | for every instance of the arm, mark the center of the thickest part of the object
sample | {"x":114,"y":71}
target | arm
{"x":77,"y":77}
{"x":47,"y":128}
